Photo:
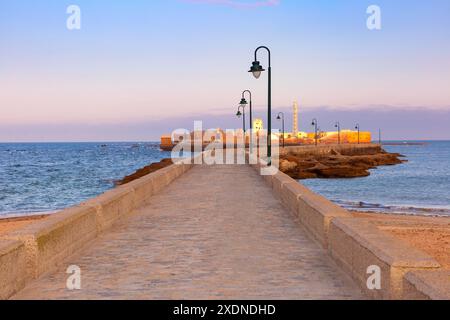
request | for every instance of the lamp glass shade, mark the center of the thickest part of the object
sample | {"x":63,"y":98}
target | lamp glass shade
{"x":257,"y":74}
{"x":238,"y":114}
{"x":243,"y":102}
{"x":256,"y":69}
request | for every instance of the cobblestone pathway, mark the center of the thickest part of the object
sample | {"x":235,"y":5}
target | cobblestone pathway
{"x":216,"y":232}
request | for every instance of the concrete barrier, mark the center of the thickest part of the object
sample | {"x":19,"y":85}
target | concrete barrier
{"x":356,"y":244}
{"x":290,"y":195}
{"x":151,"y":184}
{"x":427,"y":285}
{"x":13,"y":273}
{"x":315,"y":212}
{"x":40,"y":247}
{"x":170,"y":173}
{"x":50,"y":241}
{"x":112,"y":206}
{"x":279,"y":181}
{"x":143,"y":188}
{"x":116,"y":204}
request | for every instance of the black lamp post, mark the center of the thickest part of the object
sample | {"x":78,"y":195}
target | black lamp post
{"x":256,"y":70}
{"x":338,"y":126}
{"x":239,"y":114}
{"x":244,"y":103}
{"x":281,"y":117}
{"x":357,"y":128}
{"x":314,"y":123}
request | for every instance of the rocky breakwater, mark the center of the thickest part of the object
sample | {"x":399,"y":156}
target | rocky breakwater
{"x":145,"y":171}
{"x":335,"y":162}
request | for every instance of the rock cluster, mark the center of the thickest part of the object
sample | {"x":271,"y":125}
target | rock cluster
{"x":144,"y":171}
{"x":335,"y":164}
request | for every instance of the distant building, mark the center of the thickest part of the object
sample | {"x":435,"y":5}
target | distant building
{"x":295,"y":137}
{"x":347,"y":136}
{"x":166,"y":142}
{"x":258,"y":125}
{"x":295,"y":120}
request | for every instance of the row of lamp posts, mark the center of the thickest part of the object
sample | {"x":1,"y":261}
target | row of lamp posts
{"x":256,"y":69}
{"x":338,"y":126}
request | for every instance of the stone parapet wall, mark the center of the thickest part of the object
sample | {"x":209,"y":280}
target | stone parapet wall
{"x":29,"y":252}
{"x":427,"y":285}
{"x":13,"y":267}
{"x":356,"y":244}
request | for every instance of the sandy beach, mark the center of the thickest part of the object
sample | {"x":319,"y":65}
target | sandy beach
{"x":428,"y":234}
{"x":12,"y":224}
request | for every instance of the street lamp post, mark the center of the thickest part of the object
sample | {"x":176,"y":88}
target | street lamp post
{"x":239,"y":114}
{"x":338,"y":126}
{"x":357,"y":128}
{"x":244,"y":103}
{"x":314,"y":123}
{"x":281,"y":117}
{"x":256,"y":70}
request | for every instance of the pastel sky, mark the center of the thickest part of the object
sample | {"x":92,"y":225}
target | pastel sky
{"x":156,"y":65}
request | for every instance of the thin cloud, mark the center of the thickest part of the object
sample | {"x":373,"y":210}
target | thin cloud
{"x":237,"y":4}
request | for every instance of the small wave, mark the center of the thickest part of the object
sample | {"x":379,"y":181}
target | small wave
{"x":398,"y":209}
{"x":359,"y":204}
{"x":108,"y":181}
{"x":8,"y":215}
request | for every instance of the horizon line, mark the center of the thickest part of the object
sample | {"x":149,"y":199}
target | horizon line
{"x":155,"y":141}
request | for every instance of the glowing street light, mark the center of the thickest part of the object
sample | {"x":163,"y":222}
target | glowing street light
{"x":256,"y":69}
{"x":338,"y":126}
{"x":281,"y":117}
{"x":358,"y":128}
{"x":241,"y":114}
{"x":315,"y":124}
{"x":244,"y":103}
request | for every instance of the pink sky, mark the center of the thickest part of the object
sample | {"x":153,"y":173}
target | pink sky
{"x":174,"y":59}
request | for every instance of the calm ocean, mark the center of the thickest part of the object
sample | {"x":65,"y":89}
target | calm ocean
{"x":415,"y":187}
{"x":45,"y":177}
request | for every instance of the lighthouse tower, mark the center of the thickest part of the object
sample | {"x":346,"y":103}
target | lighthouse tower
{"x":295,"y":120}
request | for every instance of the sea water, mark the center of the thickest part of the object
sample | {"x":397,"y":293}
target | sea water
{"x":46,"y":177}
{"x":419,"y":186}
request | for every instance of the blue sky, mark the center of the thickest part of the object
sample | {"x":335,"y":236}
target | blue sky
{"x":158,"y":62}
